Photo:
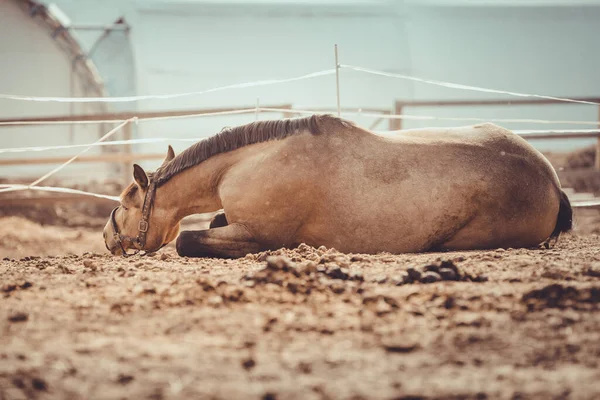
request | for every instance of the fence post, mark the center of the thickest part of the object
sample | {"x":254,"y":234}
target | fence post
{"x":337,"y":81}
{"x":396,"y":124}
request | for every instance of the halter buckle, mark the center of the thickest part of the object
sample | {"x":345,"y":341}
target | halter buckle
{"x":143,"y":226}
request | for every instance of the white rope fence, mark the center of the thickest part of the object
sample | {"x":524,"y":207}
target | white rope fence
{"x":102,"y":141}
{"x":166,"y":96}
{"x":463,"y":87}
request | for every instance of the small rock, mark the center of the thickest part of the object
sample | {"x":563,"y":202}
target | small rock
{"x":413,"y":274}
{"x":447,"y":274}
{"x":449,"y":303}
{"x":309,"y":268}
{"x":9,"y":288}
{"x":356,"y":276}
{"x":124,"y":379}
{"x":164,"y":257}
{"x":430,"y":277}
{"x":278,"y":263}
{"x":335,"y":272}
{"x":39,"y":384}
{"x":18,"y":317}
{"x":215,"y":301}
{"x":382,"y":307}
{"x":248,"y":363}
{"x":381,"y":279}
{"x":479,"y":278}
{"x":591,"y":271}
{"x":89,"y":264}
{"x":304,"y":367}
{"x":18,"y":382}
{"x":399,"y":345}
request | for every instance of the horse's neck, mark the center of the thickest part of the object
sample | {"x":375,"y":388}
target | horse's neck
{"x":195,"y":190}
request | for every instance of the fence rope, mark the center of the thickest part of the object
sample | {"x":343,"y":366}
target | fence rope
{"x":461,"y":86}
{"x":166,"y":96}
{"x":111,"y":143}
{"x":17,"y":187}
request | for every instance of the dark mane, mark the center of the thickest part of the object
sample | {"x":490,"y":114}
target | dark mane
{"x":230,"y":139}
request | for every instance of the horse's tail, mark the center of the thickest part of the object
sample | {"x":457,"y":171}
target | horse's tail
{"x":564,"y":222}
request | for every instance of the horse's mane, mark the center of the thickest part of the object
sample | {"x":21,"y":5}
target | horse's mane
{"x":230,"y":139}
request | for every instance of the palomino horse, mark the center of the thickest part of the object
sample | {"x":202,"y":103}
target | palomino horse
{"x":321,"y":180}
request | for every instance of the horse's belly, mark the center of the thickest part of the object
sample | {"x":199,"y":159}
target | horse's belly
{"x":399,"y":220}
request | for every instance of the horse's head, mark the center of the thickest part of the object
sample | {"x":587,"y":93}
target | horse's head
{"x":137,"y":224}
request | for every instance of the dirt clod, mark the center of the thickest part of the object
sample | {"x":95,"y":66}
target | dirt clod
{"x":124,"y":379}
{"x":562,"y":296}
{"x":18,"y":317}
{"x":430,"y":277}
{"x":39,"y":384}
{"x":248,"y":363}
{"x":399,"y":345}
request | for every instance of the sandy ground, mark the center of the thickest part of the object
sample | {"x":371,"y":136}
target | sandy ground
{"x":296,"y":324}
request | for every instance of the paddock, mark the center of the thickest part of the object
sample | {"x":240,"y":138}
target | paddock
{"x":301,"y":323}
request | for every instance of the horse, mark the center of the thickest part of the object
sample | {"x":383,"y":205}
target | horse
{"x":325,"y":181}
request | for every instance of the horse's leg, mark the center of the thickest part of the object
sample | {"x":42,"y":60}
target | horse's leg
{"x":218,"y":221}
{"x":231,"y":241}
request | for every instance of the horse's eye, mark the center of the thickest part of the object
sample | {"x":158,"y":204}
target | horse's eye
{"x":124,"y":208}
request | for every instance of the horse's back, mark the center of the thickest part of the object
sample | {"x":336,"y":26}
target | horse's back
{"x":468,"y":187}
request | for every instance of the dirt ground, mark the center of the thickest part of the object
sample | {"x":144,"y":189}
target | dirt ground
{"x":296,"y":324}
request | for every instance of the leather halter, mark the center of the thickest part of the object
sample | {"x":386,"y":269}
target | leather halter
{"x":140,"y":240}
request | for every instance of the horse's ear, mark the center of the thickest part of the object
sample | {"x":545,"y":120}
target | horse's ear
{"x":170,"y":156}
{"x":140,"y":176}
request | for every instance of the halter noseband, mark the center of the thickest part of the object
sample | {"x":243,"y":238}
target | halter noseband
{"x":140,"y":240}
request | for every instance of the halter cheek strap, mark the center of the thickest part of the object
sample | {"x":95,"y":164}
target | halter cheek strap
{"x":143,"y":225}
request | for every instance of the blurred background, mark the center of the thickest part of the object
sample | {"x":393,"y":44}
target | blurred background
{"x":93,"y":48}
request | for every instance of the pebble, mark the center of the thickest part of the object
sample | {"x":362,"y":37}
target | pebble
{"x":90,"y":264}
{"x":430,"y":277}
{"x":399,"y":345}
{"x":382,"y":307}
{"x":215,"y":301}
{"x":248,"y":363}
{"x":18,"y":317}
{"x":413,"y":274}
{"x":39,"y":384}
{"x":447,"y":274}
{"x":335,"y":272}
